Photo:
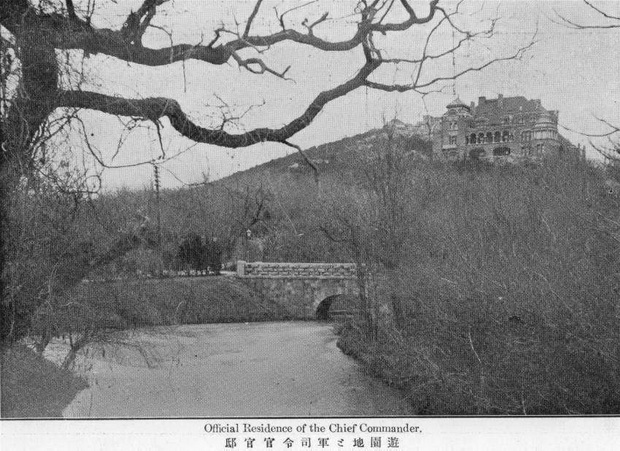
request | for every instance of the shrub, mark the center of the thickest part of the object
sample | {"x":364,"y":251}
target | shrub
{"x":508,"y":287}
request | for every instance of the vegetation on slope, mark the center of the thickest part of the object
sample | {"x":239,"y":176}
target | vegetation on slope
{"x":138,"y":303}
{"x":506,"y":296}
{"x":485,"y":289}
{"x":33,"y":387}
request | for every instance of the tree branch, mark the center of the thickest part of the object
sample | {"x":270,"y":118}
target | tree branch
{"x":310,"y":26}
{"x":601,"y":12}
{"x":258,"y":66}
{"x":577,"y":26}
{"x":156,"y":108}
{"x":59,"y":32}
{"x":125,"y":44}
{"x":412,"y":20}
{"x":310,"y":163}
{"x":251,"y":18}
{"x":70,"y":9}
{"x":136,"y":24}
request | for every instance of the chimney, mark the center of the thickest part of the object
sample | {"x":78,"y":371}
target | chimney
{"x":481,"y":100}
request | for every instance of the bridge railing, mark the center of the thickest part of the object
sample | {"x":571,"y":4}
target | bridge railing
{"x":296,"y":270}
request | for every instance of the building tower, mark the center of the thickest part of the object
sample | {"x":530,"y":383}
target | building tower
{"x":454,"y":122}
{"x":545,"y":135}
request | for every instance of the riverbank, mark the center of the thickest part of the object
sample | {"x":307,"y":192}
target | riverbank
{"x":447,"y":370}
{"x":33,"y":387}
{"x":155,"y":302}
{"x":383,"y":360}
{"x":405,"y":364}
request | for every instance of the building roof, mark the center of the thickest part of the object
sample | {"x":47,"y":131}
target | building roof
{"x":457,"y":102}
{"x":395,"y":121}
{"x":544,"y":120}
{"x":496,"y":108}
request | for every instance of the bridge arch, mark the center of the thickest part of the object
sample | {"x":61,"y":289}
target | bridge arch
{"x":304,"y":290}
{"x":337,"y":304}
{"x":323,"y":309}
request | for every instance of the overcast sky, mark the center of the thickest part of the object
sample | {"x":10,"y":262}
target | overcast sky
{"x":575,"y":72}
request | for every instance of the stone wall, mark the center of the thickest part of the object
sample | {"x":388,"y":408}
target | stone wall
{"x":299,"y":298}
{"x":297,"y":289}
{"x":296,"y":270}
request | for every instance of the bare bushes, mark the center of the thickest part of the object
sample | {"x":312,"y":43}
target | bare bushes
{"x":509,"y":284}
{"x":129,"y":304}
{"x":43,"y":250}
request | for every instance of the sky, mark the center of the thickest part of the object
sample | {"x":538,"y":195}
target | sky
{"x":575,"y":72}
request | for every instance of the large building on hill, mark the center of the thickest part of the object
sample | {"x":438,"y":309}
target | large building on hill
{"x":501,"y":128}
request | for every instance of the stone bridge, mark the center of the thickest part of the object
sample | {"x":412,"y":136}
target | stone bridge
{"x":304,"y":290}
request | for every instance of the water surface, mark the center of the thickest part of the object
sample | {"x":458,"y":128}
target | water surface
{"x":256,"y":369}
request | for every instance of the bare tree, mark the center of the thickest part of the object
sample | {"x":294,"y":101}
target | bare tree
{"x":35,"y":32}
{"x":609,"y":21}
{"x":613,"y":21}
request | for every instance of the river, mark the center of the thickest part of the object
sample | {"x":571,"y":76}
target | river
{"x":255,"y":369}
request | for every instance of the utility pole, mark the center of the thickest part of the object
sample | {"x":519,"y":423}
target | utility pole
{"x":248,"y":236}
{"x":158,"y":209}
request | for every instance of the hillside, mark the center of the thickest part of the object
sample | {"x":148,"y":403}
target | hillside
{"x":488,"y":289}
{"x":333,"y":157}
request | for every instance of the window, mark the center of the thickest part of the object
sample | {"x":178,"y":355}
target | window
{"x":498,"y":137}
{"x":472,"y":138}
{"x":489,"y":137}
{"x":480,"y":138}
{"x":453,"y":140}
{"x":505,"y":136}
{"x":501,"y":151}
{"x":526,"y":136}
